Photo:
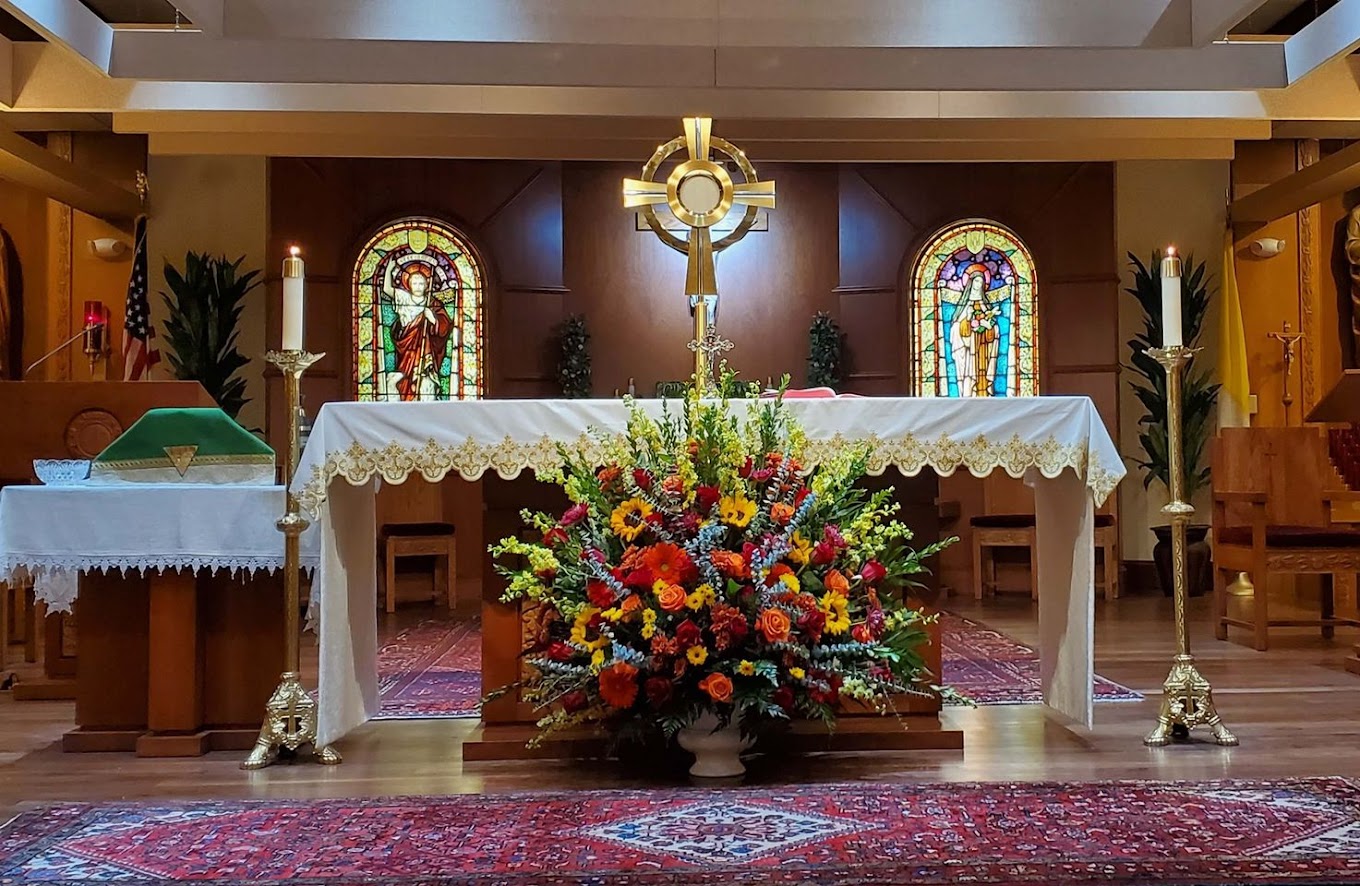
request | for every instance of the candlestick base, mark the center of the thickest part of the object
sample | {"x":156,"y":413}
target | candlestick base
{"x":1187,"y":702}
{"x":289,"y":725}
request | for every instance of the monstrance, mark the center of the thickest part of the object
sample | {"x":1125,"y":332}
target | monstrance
{"x":700,"y":193}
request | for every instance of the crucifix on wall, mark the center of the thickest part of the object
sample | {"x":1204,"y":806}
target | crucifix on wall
{"x":1289,"y":340}
{"x":700,"y":193}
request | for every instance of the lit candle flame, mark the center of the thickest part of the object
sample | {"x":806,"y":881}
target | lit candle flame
{"x":294,"y":251}
{"x":1171,"y":252}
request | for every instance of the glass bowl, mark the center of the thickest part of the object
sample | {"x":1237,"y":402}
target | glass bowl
{"x":61,"y":471}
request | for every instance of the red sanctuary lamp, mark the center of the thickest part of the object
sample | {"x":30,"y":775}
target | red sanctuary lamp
{"x":95,"y":342}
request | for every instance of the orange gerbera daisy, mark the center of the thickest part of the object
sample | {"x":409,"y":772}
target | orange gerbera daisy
{"x":618,"y":685}
{"x":668,"y":562}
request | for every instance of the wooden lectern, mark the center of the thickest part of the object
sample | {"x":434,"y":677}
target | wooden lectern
{"x":71,"y":420}
{"x":1341,"y":405}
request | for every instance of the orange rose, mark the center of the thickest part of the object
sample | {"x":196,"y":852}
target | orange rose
{"x":632,"y":603}
{"x":837,"y":583}
{"x":775,"y":625}
{"x":781,"y":512}
{"x":618,"y":686}
{"x":670,"y":597}
{"x":730,"y":563}
{"x":718,"y":687}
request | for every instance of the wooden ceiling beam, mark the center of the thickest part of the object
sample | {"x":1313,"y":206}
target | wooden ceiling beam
{"x":28,"y":164}
{"x":67,"y":23}
{"x":1333,"y":34}
{"x":6,"y":74}
{"x":1211,"y":20}
{"x":1332,"y":175}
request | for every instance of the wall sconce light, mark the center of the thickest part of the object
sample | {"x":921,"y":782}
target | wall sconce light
{"x":1266,"y":247}
{"x":95,"y":337}
{"x":108,"y":248}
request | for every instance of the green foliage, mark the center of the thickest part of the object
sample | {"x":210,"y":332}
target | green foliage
{"x":573,"y":365}
{"x":205,"y":317}
{"x":1200,"y":393}
{"x":824,"y":352}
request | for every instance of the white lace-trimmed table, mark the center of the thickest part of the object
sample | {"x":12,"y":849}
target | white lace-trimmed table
{"x":175,"y":578}
{"x":1059,"y":444}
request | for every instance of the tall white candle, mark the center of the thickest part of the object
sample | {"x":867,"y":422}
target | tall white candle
{"x":1172,"y":335}
{"x":293,"y":276}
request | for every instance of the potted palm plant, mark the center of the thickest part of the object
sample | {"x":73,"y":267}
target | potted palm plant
{"x":204,"y":322}
{"x":1199,"y":396}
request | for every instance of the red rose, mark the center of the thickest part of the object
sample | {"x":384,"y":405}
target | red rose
{"x":575,"y":701}
{"x":823,"y":553}
{"x":783,"y":696}
{"x":689,"y":634}
{"x":575,"y":514}
{"x":745,"y":470}
{"x":559,"y":651}
{"x":777,"y":570}
{"x":802,"y":494}
{"x":555,"y":536}
{"x":705,"y":497}
{"x":643,"y":478}
{"x":599,"y":594}
{"x":872,"y":572}
{"x":658,"y":690}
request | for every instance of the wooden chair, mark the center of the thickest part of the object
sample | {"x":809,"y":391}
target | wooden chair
{"x":1018,"y":530}
{"x":1273,"y":491}
{"x":397,"y":540}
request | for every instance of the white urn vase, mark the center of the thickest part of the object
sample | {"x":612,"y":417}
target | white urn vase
{"x":717,"y":754}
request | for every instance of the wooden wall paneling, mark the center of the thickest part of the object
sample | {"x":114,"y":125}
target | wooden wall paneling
{"x":872,"y":234}
{"x":1307,"y":367}
{"x":528,"y":353}
{"x":1268,"y":287}
{"x":630,"y":286}
{"x":462,"y":506}
{"x":872,"y":322}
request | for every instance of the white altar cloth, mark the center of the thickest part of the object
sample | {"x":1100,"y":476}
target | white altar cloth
{"x":54,"y":533}
{"x":1058,"y":443}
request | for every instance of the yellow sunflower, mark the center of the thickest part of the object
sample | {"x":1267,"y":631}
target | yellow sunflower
{"x":629,"y":518}
{"x":736,"y":510}
{"x":801,"y":550}
{"x":837,"y":610}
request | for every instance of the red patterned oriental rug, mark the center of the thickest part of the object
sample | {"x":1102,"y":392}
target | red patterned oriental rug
{"x":432,"y":670}
{"x":992,"y":668}
{"x":1259,"y":832}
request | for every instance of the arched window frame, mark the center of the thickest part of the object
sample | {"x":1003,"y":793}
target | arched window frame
{"x":454,"y":256}
{"x":930,"y":377}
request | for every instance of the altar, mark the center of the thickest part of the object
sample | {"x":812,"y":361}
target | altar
{"x":1058,"y":444}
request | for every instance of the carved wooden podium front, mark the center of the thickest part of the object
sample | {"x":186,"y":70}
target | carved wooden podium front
{"x":72,"y":420}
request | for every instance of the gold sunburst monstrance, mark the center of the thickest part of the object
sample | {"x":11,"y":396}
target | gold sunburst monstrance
{"x":700,"y":193}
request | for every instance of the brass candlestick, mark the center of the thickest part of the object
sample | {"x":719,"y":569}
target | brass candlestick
{"x":1187,"y":698}
{"x":290,"y":714}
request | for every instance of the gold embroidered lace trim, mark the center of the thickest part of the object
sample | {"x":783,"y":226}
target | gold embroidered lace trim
{"x":394,"y":463}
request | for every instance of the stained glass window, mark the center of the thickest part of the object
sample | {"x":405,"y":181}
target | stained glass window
{"x":418,"y":315}
{"x":975,"y":327}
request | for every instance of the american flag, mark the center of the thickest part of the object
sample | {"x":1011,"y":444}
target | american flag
{"x":139,"y":355}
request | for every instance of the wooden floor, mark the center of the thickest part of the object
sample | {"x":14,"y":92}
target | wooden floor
{"x":1295,"y":709}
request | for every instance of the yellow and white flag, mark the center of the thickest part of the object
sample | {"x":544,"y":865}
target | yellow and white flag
{"x":1234,"y":397}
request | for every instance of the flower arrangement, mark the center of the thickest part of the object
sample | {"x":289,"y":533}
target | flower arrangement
{"x":703,"y":569}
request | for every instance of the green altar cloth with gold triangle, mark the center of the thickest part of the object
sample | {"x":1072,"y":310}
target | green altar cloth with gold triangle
{"x":185,"y":445}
